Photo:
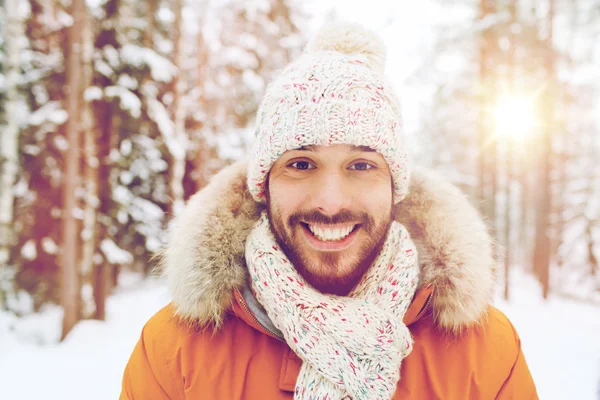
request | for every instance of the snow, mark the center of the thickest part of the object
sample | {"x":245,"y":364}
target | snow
{"x":253,"y":81}
{"x":49,"y":245}
{"x":40,"y":93}
{"x":29,"y":251}
{"x":126,"y":177}
{"x":559,"y":338}
{"x":176,"y":143}
{"x":89,"y":364}
{"x":21,"y":303}
{"x":77,"y":213}
{"x":144,"y":210}
{"x":92,"y":93}
{"x":122,"y":195}
{"x":165,"y":15}
{"x":112,"y":56}
{"x":161,"y":68}
{"x":64,"y":18}
{"x":49,"y":112}
{"x":126,"y":147}
{"x":21,"y":189}
{"x":128,"y":81}
{"x":102,"y":67}
{"x":239,"y":57}
{"x":114,"y":254}
{"x":129,"y":101}
{"x":232,"y":145}
{"x":61,"y":142}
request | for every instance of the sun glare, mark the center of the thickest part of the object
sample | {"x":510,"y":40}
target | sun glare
{"x":514,"y":116}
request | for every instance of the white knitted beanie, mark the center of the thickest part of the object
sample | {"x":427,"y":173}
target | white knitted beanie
{"x":335,"y":93}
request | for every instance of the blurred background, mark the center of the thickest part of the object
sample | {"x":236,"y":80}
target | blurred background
{"x":114,"y":112}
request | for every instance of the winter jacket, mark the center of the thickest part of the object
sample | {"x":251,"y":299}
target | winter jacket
{"x":214,"y":341}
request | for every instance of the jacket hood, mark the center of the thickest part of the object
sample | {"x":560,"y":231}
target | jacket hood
{"x":204,"y":257}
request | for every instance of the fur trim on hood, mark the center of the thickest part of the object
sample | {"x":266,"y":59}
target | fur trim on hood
{"x":204,"y":258}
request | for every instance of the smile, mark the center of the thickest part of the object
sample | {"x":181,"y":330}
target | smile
{"x":331,"y":233}
{"x":330,"y":237}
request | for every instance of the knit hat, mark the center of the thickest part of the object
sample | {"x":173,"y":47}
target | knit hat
{"x":334,"y":93}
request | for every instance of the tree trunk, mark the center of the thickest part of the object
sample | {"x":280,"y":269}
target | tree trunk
{"x":592,"y":259}
{"x":90,"y":159}
{"x":544,"y":205}
{"x":178,"y":142}
{"x":524,"y":238}
{"x":507,"y":224}
{"x":70,"y":285}
{"x":202,"y":156}
{"x":100,"y":290}
{"x":150,"y":18}
{"x":105,"y":142}
{"x":487,"y":145}
{"x":9,"y":136}
{"x":509,"y":158}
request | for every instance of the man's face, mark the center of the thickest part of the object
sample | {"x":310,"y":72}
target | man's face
{"x":330,"y":208}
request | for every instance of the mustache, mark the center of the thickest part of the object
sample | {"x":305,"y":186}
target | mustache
{"x":317,"y":217}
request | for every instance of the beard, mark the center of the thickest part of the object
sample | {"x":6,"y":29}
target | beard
{"x":322,"y":269}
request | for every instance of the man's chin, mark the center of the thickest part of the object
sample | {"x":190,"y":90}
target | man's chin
{"x":330,"y":278}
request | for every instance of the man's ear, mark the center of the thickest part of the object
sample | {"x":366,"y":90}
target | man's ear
{"x":394,"y":212}
{"x":267,"y":192}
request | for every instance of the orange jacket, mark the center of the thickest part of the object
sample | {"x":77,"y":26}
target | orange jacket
{"x":463,"y":347}
{"x":242,"y":361}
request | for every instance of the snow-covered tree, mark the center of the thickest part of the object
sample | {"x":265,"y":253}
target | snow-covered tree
{"x":41,"y":146}
{"x":484,"y":77}
{"x":166,"y":83}
{"x":11,"y":42}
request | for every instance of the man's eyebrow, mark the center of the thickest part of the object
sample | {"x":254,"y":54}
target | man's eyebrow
{"x":353,"y":149}
{"x":360,"y":149}
{"x":310,"y":147}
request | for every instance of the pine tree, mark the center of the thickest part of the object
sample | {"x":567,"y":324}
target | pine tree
{"x":10,"y":79}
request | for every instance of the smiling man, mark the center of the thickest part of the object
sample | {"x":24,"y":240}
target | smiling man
{"x":322,"y":269}
{"x":330,"y":210}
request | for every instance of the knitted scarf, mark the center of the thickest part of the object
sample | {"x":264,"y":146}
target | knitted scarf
{"x":350,"y":346}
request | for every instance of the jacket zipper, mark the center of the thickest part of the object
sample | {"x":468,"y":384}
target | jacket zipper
{"x":251,"y":315}
{"x":425,"y":307}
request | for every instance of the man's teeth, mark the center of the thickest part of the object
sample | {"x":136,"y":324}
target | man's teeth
{"x":326,"y":234}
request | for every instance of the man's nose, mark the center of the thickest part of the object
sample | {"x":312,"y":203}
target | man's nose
{"x":332,"y":194}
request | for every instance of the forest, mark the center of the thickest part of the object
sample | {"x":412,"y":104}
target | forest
{"x":114,"y":112}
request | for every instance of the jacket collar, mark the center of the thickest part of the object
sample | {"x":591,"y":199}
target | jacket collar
{"x":204,"y":257}
{"x":247,"y":307}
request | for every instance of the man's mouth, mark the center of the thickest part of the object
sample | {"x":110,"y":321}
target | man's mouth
{"x":327,"y":237}
{"x":329,"y":233}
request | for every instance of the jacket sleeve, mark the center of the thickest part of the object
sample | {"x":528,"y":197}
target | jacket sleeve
{"x":519,"y":384}
{"x":149,"y":374}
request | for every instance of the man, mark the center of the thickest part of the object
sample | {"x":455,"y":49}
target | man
{"x":319,"y":270}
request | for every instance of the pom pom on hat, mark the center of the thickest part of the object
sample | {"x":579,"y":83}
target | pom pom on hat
{"x":350,"y":38}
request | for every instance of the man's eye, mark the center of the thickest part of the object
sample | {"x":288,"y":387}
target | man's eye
{"x":361,"y":166}
{"x":301,"y":165}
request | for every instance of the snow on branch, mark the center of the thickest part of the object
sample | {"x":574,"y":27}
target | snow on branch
{"x":49,"y":112}
{"x":114,"y":254}
{"x":176,"y":144}
{"x":238,"y":57}
{"x":129,"y":101}
{"x":161,"y":68}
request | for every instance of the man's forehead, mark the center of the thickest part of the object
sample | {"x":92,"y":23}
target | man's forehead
{"x":352,"y":149}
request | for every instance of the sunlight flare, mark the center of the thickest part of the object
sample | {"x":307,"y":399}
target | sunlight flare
{"x":515,"y":116}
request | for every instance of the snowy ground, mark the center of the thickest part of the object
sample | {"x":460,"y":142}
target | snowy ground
{"x":561,"y":339}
